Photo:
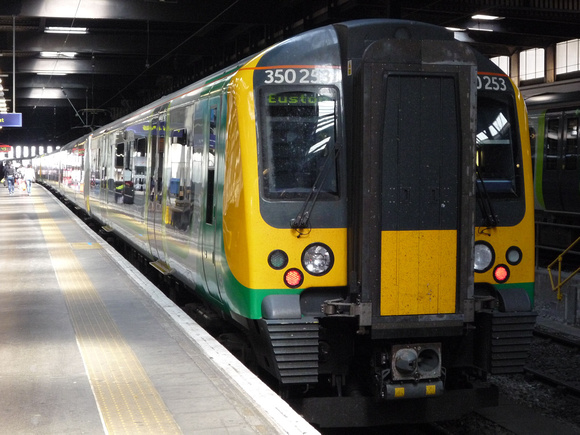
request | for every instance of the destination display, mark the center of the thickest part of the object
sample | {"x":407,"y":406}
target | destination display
{"x":10,"y":119}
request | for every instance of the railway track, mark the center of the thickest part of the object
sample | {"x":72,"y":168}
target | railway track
{"x":570,"y":387}
{"x":556,"y":360}
{"x":546,"y":397}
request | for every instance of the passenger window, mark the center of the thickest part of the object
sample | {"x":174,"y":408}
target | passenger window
{"x":533,"y":136}
{"x":571,"y":145}
{"x":95,"y":181}
{"x":179,"y":201}
{"x":198,"y":139}
{"x":551,"y":144}
{"x":211,"y":164}
{"x":140,"y":161}
{"x":119,"y":155}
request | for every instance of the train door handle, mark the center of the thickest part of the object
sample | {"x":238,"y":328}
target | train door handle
{"x":206,"y":256}
{"x":405,"y":194}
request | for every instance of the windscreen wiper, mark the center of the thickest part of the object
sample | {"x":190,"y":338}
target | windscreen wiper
{"x":484,"y":201}
{"x":301,"y":221}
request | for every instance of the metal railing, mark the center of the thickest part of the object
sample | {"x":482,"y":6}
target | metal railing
{"x":558,"y":287}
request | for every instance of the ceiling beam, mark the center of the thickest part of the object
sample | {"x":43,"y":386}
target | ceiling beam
{"x":189,"y":11}
{"x":100,"y":43}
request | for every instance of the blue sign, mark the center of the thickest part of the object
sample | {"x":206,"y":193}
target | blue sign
{"x":10,"y":119}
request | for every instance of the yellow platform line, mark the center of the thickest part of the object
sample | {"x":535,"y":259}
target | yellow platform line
{"x":126,"y":398}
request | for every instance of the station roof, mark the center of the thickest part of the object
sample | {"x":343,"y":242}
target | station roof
{"x":135,"y":51}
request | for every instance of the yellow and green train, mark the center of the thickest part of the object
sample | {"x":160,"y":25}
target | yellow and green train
{"x":356,"y":199}
{"x":554,"y":120}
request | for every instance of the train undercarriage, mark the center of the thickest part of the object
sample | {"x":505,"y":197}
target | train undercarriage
{"x":336,"y":372}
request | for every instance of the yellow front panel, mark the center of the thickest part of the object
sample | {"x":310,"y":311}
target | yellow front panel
{"x":248,"y":240}
{"x":418,"y":272}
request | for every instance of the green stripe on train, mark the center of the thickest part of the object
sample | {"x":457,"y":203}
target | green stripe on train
{"x":527,"y":286}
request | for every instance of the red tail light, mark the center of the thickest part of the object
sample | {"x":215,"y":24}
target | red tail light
{"x":501,"y":273}
{"x":293,"y":278}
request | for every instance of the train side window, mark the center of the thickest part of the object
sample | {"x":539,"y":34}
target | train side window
{"x":103,"y":157}
{"x":179,"y":193}
{"x":571,"y":145}
{"x":179,"y":136}
{"x":140,"y":156}
{"x":551,"y":144}
{"x":119,"y":155}
{"x":157,"y":152}
{"x":211,"y":164}
{"x":139,"y":164}
{"x":179,"y":160}
{"x":497,"y":147}
{"x":129,"y":154}
{"x":198,"y":139}
{"x":533,"y":136}
{"x":95,"y":181}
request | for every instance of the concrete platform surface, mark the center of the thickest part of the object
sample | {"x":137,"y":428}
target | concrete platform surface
{"x":89,"y":346}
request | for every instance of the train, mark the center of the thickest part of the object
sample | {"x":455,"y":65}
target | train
{"x":357,"y":200}
{"x":553,"y":118}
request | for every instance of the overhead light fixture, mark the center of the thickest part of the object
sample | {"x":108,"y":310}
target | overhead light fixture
{"x":50,"y":73}
{"x":57,"y":54}
{"x":479,"y":29}
{"x":486,"y":17}
{"x":455,"y":29}
{"x":67,"y":30}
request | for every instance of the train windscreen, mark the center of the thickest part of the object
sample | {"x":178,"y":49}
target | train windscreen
{"x":298,"y":143}
{"x":496,"y":155}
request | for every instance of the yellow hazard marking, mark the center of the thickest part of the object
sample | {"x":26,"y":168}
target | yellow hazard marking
{"x":126,"y":398}
{"x":85,"y":245}
{"x":399,"y":392}
{"x":431,"y":390}
{"x":418,"y":272}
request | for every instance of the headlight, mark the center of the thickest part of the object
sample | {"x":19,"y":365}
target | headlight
{"x":317,"y":259}
{"x":483,"y":257}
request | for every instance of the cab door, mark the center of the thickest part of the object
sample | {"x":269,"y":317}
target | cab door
{"x":416,"y":170}
{"x":105,"y":173}
{"x":211,"y":236}
{"x":155,"y":190}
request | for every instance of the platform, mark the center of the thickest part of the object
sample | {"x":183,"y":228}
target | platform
{"x":88,"y":345}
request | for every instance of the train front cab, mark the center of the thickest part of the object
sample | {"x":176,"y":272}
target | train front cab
{"x":395,"y":316}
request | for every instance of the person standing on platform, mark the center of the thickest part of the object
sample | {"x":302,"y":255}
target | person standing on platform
{"x":9,"y":172}
{"x":29,"y":178}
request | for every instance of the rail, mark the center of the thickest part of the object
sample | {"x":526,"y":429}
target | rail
{"x":558,"y":260}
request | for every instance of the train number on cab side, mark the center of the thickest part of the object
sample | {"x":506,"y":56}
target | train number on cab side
{"x":299,"y":75}
{"x":491,"y":83}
